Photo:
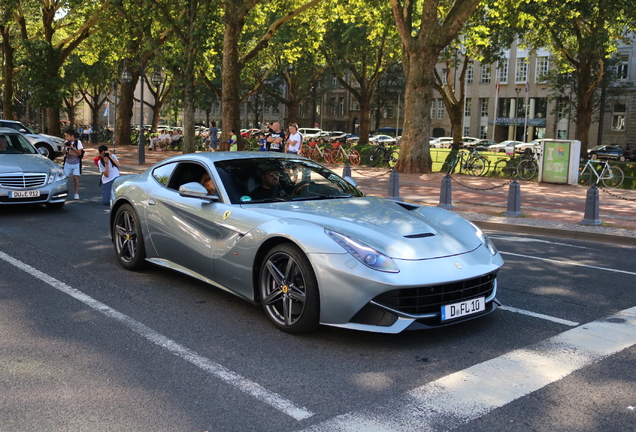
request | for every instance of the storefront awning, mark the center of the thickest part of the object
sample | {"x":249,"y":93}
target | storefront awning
{"x":505,"y":121}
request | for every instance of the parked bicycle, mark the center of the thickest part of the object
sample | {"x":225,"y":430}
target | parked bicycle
{"x":525,"y":167}
{"x":611,"y":176}
{"x":383,"y":155}
{"x":469,"y":161}
{"x":318,"y":153}
{"x":339,"y":154}
{"x":528,"y":168}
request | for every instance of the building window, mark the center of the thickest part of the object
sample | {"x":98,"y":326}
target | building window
{"x":483,"y":132}
{"x":618,"y":117}
{"x":332,"y":106}
{"x":470,"y":73}
{"x":504,"y":107}
{"x":562,"y":134}
{"x":485,"y":74}
{"x":466,"y":130}
{"x":468,"y":107}
{"x":440,"y":109}
{"x":521,"y":71}
{"x":444,"y":79}
{"x":622,"y":68}
{"x":562,"y":108}
{"x":483,"y":107}
{"x":543,"y":65}
{"x":503,"y":71}
{"x":275,"y":110}
{"x":341,"y":106}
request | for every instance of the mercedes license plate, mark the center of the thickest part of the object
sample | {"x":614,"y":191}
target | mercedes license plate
{"x":24,"y":194}
{"x":464,"y":308}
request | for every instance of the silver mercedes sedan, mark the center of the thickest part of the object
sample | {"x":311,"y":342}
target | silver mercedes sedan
{"x":26,"y":176}
{"x":288,"y":233}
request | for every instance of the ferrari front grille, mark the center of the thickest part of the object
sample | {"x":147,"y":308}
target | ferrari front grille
{"x":429,"y":299}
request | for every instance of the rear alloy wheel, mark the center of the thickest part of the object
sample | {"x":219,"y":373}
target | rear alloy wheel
{"x":128,"y":238}
{"x":288,"y":289}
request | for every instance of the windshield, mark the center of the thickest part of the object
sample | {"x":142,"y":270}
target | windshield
{"x":249,"y":181}
{"x":15,"y":144}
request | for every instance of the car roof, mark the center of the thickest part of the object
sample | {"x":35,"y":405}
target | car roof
{"x":6,"y":130}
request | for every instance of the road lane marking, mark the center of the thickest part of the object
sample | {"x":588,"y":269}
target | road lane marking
{"x":572,"y":263}
{"x":533,"y":240}
{"x":464,"y":396}
{"x":251,"y":388}
{"x":539,"y":315}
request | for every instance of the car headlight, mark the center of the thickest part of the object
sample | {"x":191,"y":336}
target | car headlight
{"x":363,"y":253}
{"x":486,"y":241}
{"x":56,"y":174}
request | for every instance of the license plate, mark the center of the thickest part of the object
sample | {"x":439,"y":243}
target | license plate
{"x":24,"y":194}
{"x":464,"y":308}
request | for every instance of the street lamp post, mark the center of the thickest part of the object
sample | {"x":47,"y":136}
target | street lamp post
{"x":517,"y":90}
{"x":115,"y":85}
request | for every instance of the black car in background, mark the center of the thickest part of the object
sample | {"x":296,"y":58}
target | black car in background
{"x":613,"y":152}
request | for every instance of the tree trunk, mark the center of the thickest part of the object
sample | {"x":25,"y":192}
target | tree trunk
{"x":7,"y":73}
{"x":189,"y":146}
{"x":231,"y":72}
{"x":53,"y":121}
{"x":125,"y":110}
{"x":415,"y":156}
{"x":365,"y":120}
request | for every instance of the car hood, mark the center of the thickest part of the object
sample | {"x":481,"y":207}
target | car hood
{"x":12,"y":163}
{"x":399,"y":231}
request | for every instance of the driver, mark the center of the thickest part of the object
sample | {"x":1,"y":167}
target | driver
{"x":270,"y":184}
{"x":3,"y":144}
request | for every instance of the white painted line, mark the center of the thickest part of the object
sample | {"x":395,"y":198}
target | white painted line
{"x":463,"y":396}
{"x":231,"y":378}
{"x":533,"y":240}
{"x":572,"y":263}
{"x":538,"y":315}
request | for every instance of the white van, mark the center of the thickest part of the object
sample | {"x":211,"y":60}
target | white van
{"x":310,"y":133}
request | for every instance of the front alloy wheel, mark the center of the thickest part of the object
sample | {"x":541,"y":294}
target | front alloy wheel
{"x":128,"y":238}
{"x":288,"y":289}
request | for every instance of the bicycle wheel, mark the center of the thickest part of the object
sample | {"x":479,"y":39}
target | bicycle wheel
{"x":375,"y":156}
{"x":586,"y":176}
{"x":527,"y":169}
{"x":615,"y":177}
{"x":328,"y":156}
{"x":393,"y":158}
{"x":337,"y":156}
{"x":315,"y":154}
{"x":354,"y":157}
{"x":476,"y":166}
{"x":502,"y":169}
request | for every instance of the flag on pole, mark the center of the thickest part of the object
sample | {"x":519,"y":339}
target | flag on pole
{"x":106,"y":110}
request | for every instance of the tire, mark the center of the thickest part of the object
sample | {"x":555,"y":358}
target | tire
{"x":49,"y":150}
{"x":594,"y":156}
{"x":502,"y":169}
{"x":393,"y":158}
{"x":477,"y":166}
{"x":328,"y":156}
{"x":354,"y":157}
{"x":128,"y":239}
{"x":585,"y":176}
{"x":527,"y":169}
{"x":337,"y":157}
{"x":375,"y":156}
{"x":617,"y":177}
{"x":621,"y":158}
{"x":289,"y":290}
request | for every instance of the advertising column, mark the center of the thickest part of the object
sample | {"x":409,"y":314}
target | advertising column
{"x":560,"y":161}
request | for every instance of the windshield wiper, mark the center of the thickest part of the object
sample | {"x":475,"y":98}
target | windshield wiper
{"x":318,"y":197}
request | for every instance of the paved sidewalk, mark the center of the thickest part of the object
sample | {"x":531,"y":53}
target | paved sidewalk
{"x":547,"y":209}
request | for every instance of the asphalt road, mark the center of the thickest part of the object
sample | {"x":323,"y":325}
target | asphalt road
{"x":87,"y":345}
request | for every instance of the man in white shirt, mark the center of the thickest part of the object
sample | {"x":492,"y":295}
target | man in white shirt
{"x":109,"y":167}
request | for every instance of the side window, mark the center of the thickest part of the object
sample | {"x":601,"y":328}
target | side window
{"x":162,"y":174}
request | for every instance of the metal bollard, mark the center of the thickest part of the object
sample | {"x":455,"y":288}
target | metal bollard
{"x":592,"y":214}
{"x":446,"y":194}
{"x":394,"y":185}
{"x":346,"y":171}
{"x":514,"y":200}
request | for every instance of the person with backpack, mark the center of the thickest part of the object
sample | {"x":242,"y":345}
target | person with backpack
{"x":74,"y":152}
{"x":109,"y":167}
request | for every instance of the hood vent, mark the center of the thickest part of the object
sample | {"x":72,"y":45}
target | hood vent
{"x":419,"y":235}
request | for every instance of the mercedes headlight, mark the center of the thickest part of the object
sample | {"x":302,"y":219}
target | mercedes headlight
{"x":56,"y":174}
{"x":363,"y":253}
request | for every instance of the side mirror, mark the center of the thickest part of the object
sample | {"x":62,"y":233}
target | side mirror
{"x":351,"y":181}
{"x":22,"y":130}
{"x":196,"y":190}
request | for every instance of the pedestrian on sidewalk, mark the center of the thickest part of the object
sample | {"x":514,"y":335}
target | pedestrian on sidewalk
{"x":109,"y":167}
{"x":213,"y":137}
{"x":74,"y":151}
